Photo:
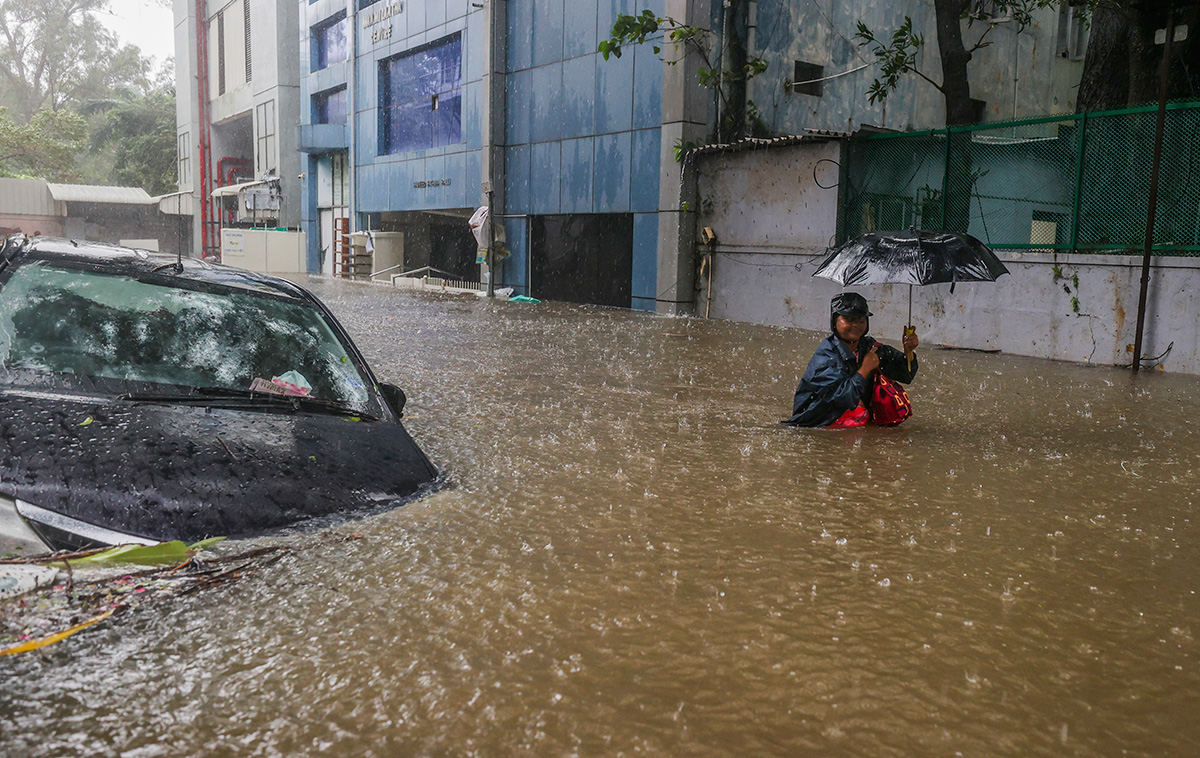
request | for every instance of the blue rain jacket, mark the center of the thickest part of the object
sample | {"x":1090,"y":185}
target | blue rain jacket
{"x":831,"y":384}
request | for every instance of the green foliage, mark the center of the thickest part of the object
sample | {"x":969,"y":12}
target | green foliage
{"x":895,"y":59}
{"x":136,"y":133}
{"x":897,"y":55}
{"x":635,"y":30}
{"x":65,"y":74}
{"x":55,"y":54}
{"x":43,"y":148}
{"x":1070,"y":285}
{"x":682,"y":148}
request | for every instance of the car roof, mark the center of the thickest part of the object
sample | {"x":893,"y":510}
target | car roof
{"x":115,"y":259}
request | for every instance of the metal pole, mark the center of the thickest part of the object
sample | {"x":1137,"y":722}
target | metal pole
{"x":1164,"y":69}
{"x":1080,"y":157}
{"x":491,"y":253}
{"x":945,"y":180}
{"x":352,"y":137}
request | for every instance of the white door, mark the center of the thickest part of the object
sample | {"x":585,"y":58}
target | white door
{"x":333,"y":195}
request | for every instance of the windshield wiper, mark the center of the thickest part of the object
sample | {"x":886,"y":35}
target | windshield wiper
{"x":201,"y":395}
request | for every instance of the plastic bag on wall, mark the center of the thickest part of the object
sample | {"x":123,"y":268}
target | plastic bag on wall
{"x":481,"y":224}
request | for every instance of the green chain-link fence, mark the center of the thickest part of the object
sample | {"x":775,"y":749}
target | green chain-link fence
{"x":1070,"y":183}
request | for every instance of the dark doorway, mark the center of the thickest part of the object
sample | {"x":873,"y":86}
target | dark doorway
{"x":452,"y":248}
{"x":582,"y":258}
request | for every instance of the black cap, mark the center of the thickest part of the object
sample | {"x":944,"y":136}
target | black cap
{"x":849,"y":304}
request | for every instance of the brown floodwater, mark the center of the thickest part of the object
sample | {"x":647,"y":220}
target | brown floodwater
{"x":632,"y":556}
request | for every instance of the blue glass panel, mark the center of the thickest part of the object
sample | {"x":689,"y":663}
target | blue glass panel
{"x":410,"y":127}
{"x":422,"y":97}
{"x":516,"y":179}
{"x":546,"y":120}
{"x":544,"y":176}
{"x":578,"y":96}
{"x":577,"y":163}
{"x":518,"y":86}
{"x":435,"y":13}
{"x":519,"y":40}
{"x":447,"y":121}
{"x":579,"y":28}
{"x":514,"y":269}
{"x":330,"y":107}
{"x":647,"y":89}
{"x":547,"y":31}
{"x":329,"y":42}
{"x":611,"y":193}
{"x":646,"y":162}
{"x":645,"y":260}
{"x":614,"y":94}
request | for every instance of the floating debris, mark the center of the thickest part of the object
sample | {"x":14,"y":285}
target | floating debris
{"x":87,"y":587}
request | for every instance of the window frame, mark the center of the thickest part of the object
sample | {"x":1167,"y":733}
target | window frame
{"x":392,"y":143}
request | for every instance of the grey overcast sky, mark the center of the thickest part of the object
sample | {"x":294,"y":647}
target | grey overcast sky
{"x":144,"y":23}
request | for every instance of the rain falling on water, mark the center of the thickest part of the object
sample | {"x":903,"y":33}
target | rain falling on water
{"x":633,"y":556}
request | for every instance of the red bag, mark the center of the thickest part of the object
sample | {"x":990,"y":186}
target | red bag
{"x":889,"y":402}
{"x":854,"y":417}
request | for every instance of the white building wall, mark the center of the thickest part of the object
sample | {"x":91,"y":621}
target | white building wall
{"x":240,"y":114}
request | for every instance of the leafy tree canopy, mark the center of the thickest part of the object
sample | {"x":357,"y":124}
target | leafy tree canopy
{"x":137,"y":133}
{"x":45,"y":147}
{"x":55,"y":54}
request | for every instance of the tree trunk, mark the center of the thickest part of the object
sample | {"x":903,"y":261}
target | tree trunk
{"x":1122,"y":62}
{"x":956,"y":87}
{"x":733,"y":116}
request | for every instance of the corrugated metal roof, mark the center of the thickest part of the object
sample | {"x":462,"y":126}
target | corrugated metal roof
{"x":26,"y":197}
{"x":231,"y":190}
{"x":176,"y":203}
{"x":759,"y":143}
{"x":90,"y":193}
{"x":750,"y":143}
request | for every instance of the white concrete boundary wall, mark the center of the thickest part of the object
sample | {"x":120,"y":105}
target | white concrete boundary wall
{"x":774,"y":222}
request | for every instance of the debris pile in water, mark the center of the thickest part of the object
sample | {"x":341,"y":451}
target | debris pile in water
{"x":47,"y":599}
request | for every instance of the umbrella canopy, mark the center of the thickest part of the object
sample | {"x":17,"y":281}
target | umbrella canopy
{"x":912,"y":257}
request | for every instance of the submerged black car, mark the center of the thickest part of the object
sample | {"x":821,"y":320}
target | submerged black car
{"x":144,"y":398}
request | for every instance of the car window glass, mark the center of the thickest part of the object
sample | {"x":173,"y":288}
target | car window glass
{"x":103,"y":325}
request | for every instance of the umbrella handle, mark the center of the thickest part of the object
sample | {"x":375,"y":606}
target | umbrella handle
{"x":909,"y":330}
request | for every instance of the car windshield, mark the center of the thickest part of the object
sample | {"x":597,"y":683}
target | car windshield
{"x":59,"y":320}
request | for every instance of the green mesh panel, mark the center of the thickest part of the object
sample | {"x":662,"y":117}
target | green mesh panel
{"x":1075,"y":183}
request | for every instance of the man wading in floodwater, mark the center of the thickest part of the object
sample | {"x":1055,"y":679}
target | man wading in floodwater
{"x":835,"y":391}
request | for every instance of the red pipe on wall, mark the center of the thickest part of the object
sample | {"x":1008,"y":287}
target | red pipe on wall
{"x":203,"y":139}
{"x":225,"y":175}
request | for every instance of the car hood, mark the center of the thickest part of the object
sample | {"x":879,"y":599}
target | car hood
{"x":187,"y":472}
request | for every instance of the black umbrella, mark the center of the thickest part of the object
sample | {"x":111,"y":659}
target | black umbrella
{"x":912,"y":257}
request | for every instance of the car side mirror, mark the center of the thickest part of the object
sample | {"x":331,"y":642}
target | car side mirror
{"x":395,"y":398}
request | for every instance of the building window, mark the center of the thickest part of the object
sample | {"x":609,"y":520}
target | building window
{"x":185,"y":160}
{"x":421,"y":97}
{"x":221,"y":53}
{"x":364,"y":3}
{"x":330,"y":107}
{"x":329,"y":42}
{"x":246,"y":30}
{"x":264,"y":148}
{"x":807,"y":79}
